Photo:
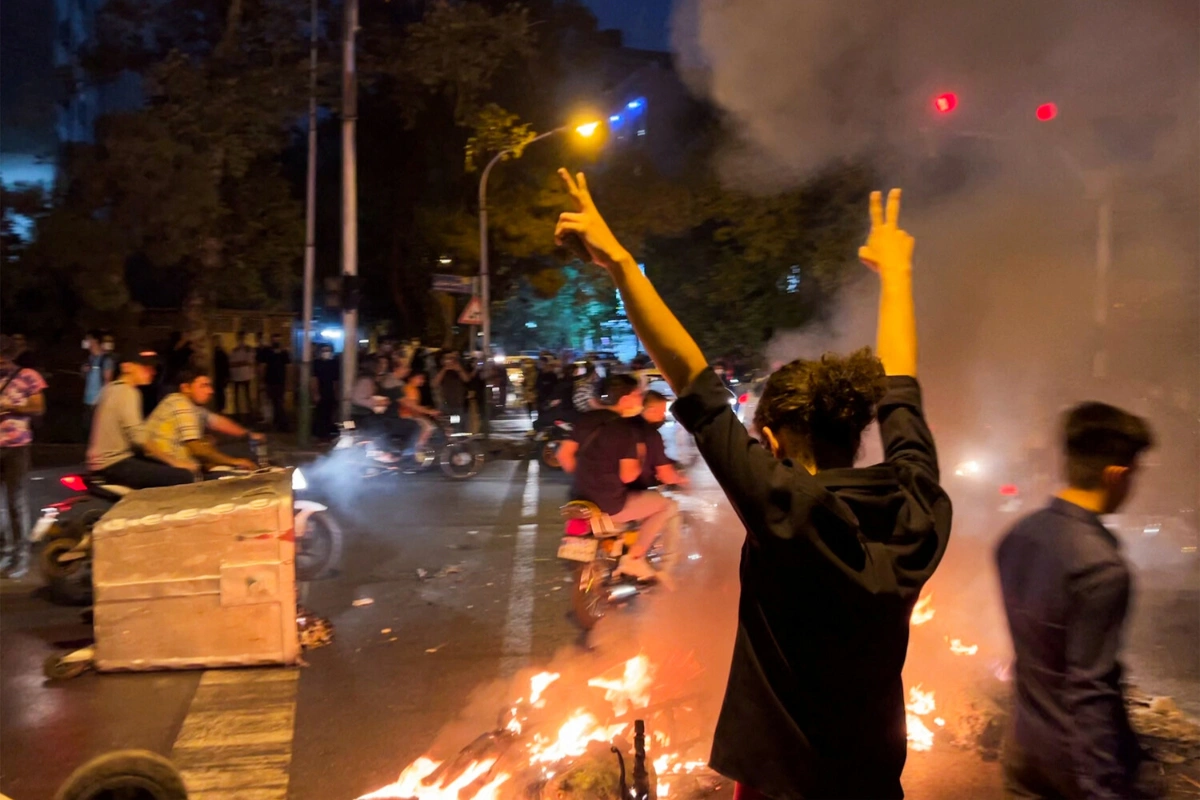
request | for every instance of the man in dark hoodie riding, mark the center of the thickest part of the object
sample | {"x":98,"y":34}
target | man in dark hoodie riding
{"x":834,"y":557}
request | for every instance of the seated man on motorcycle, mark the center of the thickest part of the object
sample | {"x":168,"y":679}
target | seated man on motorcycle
{"x":658,"y":469}
{"x":374,"y":403}
{"x":178,"y":424}
{"x":119,"y":450}
{"x":605,"y":454}
{"x":412,"y":410}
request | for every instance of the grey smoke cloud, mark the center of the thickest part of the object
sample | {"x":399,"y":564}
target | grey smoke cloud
{"x":1005,"y":209}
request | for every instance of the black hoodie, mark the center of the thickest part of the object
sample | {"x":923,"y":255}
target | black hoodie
{"x":831,"y":568}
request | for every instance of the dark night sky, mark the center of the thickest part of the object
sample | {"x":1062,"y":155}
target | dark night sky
{"x":26,"y":79}
{"x":27,"y":83}
{"x":643,"y":22}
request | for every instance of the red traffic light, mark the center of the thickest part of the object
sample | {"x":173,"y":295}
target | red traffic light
{"x":945,"y":103}
{"x":1046,"y":112}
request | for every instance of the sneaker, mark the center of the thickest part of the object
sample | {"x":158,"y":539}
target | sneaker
{"x":636,"y":568}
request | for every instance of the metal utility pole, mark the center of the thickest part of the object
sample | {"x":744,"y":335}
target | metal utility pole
{"x":304,"y":421}
{"x":349,"y":210}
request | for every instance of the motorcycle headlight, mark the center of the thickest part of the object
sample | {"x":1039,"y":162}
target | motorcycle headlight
{"x":298,"y":482}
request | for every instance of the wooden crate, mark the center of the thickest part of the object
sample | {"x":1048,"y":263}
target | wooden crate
{"x":197,"y":576}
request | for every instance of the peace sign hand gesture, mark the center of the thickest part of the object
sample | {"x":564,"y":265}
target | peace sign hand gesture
{"x":587,"y":224}
{"x":889,"y":248}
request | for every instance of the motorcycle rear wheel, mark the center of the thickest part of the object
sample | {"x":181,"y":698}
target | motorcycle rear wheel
{"x":589,"y":598}
{"x":319,"y":550}
{"x":460,"y":460}
{"x":69,"y":583}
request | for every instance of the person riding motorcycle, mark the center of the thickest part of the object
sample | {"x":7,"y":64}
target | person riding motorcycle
{"x":119,"y":450}
{"x":605,"y":454}
{"x":178,"y":424}
{"x":374,"y":403}
{"x":658,"y":469}
{"x":413,"y":411}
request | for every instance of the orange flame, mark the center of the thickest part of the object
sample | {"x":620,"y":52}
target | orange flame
{"x":632,"y":689}
{"x":538,"y":684}
{"x":920,"y":703}
{"x":573,"y":738}
{"x":923,"y":611}
{"x":412,"y":782}
{"x":959,"y":649}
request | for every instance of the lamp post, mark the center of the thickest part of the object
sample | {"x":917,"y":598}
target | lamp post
{"x":484,"y":275}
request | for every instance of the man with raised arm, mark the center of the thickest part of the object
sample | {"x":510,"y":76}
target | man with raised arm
{"x":834,"y":557}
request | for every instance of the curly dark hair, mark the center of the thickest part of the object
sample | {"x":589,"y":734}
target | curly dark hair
{"x":825,"y":405}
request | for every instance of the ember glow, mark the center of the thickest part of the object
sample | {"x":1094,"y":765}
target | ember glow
{"x":920,"y":703}
{"x":923,"y":610}
{"x":959,"y":649}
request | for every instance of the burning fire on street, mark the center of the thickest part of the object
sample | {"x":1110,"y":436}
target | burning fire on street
{"x":921,"y":703}
{"x":530,"y":748}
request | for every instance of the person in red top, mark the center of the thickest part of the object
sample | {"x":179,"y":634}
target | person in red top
{"x":20,"y":398}
{"x":834,"y":557}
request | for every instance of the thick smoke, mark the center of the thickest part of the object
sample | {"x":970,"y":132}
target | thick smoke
{"x":1006,"y":210}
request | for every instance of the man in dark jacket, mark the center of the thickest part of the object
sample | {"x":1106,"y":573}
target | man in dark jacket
{"x":1066,"y":593}
{"x":834,"y":557}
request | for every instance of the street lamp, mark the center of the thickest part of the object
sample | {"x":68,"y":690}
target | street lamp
{"x":585,"y":130}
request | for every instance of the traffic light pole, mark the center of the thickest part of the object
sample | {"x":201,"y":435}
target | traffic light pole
{"x":304,"y":393}
{"x":349,"y":210}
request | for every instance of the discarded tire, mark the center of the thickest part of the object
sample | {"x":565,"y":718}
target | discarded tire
{"x":128,"y":774}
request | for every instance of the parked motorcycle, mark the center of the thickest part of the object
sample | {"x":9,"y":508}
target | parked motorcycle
{"x":65,"y":529}
{"x":377,"y":454}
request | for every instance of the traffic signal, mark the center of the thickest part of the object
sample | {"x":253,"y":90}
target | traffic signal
{"x":1046,"y":112}
{"x":945,"y":103}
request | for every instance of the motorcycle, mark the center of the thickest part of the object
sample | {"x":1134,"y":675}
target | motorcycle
{"x":594,"y":544}
{"x":454,"y":452}
{"x":65,"y":528}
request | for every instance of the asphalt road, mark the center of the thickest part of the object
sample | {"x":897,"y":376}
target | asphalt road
{"x":425,"y":666}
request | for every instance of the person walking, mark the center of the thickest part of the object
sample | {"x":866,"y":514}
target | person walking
{"x":241,"y":373}
{"x":1066,"y":589}
{"x":221,"y":374}
{"x":21,"y":397}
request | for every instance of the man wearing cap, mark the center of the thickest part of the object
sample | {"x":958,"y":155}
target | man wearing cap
{"x":120,"y":450}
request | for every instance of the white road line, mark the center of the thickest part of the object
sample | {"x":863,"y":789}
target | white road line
{"x":518,"y":627}
{"x":529,"y":501}
{"x":237,"y":738}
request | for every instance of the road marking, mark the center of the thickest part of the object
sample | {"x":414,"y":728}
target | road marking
{"x":529,"y":500}
{"x":518,"y":626}
{"x":236,"y":740}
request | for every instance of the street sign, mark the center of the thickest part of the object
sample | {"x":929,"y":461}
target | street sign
{"x":472,"y":314}
{"x":454,"y":284}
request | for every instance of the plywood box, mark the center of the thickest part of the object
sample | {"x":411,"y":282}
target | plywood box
{"x":197,"y":576}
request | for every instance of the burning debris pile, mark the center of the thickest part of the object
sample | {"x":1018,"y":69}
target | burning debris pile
{"x":972,"y":710}
{"x":534,"y":753}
